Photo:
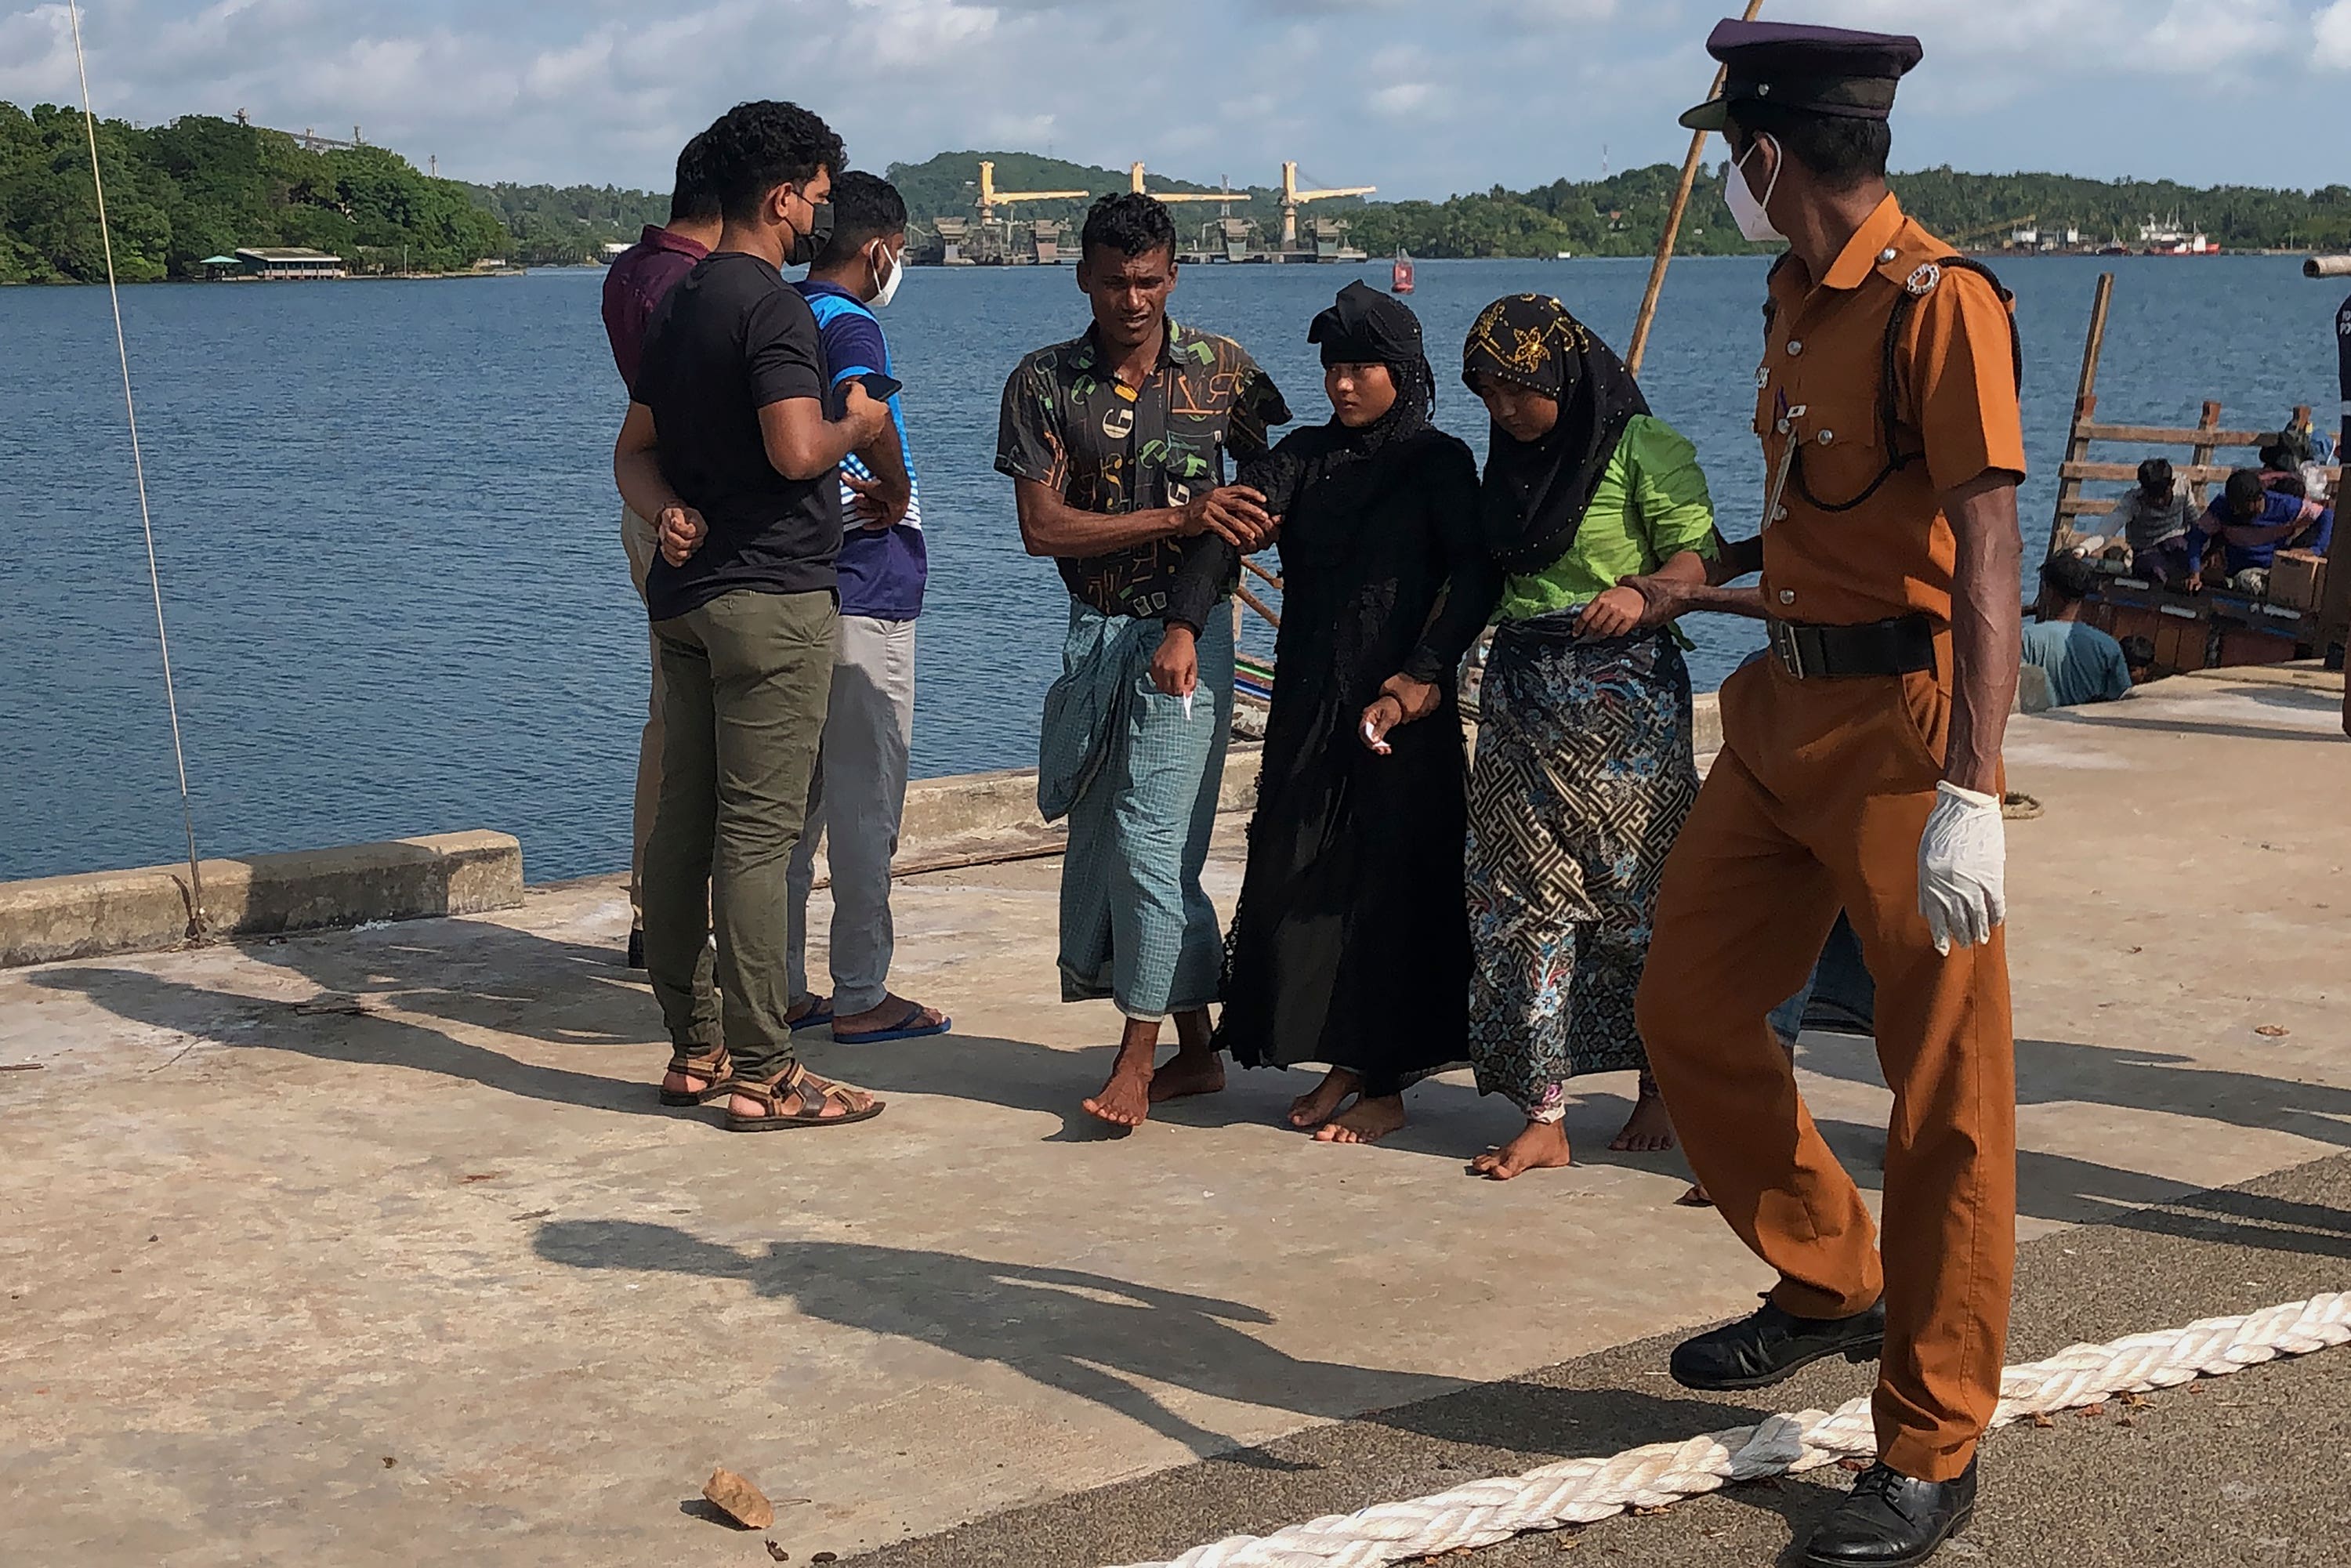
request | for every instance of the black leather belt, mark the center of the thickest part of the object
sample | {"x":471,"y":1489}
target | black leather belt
{"x":1893,"y":647}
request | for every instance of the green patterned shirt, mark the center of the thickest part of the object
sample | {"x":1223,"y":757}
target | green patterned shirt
{"x":1069,"y":423}
{"x":1652,"y":504}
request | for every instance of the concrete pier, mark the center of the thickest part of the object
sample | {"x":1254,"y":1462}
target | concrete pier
{"x":375,"y":1248}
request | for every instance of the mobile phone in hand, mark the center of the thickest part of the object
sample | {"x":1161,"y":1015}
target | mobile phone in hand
{"x":878,"y":387}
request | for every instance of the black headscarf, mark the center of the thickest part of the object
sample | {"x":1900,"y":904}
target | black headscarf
{"x":1364,"y":327}
{"x":1536,"y":494}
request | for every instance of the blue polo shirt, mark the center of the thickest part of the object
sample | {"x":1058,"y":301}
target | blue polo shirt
{"x":882,"y":572}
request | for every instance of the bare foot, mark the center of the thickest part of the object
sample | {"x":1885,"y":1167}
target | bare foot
{"x":1322,"y":1103}
{"x":1188,"y":1072}
{"x":1366,"y":1122}
{"x":1648,"y":1130}
{"x":1126,"y":1100}
{"x":1542,"y":1147}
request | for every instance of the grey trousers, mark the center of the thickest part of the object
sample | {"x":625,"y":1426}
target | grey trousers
{"x":748,"y":676}
{"x":855,"y":801}
{"x":637,"y":538}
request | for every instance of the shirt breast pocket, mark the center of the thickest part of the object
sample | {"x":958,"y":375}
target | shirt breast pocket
{"x":1843,"y":452}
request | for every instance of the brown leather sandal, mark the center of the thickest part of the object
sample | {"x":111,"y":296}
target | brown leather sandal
{"x":713,"y":1070}
{"x":806,"y":1089}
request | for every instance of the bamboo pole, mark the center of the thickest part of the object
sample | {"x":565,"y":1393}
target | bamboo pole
{"x":1642,"y":323}
{"x":2085,"y":412}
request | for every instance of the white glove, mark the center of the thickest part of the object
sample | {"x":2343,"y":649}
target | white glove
{"x":1962,"y":868}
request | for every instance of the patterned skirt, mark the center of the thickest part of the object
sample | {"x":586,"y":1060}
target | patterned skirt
{"x":1582,"y":779}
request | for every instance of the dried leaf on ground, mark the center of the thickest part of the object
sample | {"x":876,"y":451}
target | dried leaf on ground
{"x":777,"y":1553}
{"x":2274,"y":1031}
{"x":2044,"y":1422}
{"x":738,"y":1499}
{"x":2091,"y":1412}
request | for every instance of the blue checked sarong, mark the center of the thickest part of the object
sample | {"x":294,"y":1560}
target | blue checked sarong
{"x":1139,"y":783}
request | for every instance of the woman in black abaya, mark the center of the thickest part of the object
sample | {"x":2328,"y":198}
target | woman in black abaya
{"x":1351,"y":944}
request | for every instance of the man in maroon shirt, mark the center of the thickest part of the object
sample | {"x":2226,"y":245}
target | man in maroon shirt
{"x":639,"y":278}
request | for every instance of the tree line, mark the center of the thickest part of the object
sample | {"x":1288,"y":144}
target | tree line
{"x":200,"y":186}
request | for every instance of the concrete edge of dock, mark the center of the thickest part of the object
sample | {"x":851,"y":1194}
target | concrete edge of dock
{"x":150,"y":908}
{"x":971,"y":818}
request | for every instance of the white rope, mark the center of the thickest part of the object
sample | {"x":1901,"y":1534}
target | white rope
{"x":139,"y":470}
{"x":1579,"y":1492}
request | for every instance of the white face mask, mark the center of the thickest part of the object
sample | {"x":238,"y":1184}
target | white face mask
{"x":890,"y":280}
{"x":1754,"y":215}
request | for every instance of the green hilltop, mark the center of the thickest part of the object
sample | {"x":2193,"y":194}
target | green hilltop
{"x":198,"y":186}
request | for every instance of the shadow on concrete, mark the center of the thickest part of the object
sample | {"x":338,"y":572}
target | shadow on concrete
{"x":1085,"y":1334}
{"x":2082,"y":1192}
{"x":528,"y":986}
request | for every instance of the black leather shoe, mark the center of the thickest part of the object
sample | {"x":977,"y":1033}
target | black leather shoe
{"x":1891,"y":1521}
{"x":636,"y":949}
{"x":1763,"y":1348}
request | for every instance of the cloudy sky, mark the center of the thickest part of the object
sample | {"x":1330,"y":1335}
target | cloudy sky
{"x":1420,"y":97}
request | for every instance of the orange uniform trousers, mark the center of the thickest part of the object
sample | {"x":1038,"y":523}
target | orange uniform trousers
{"x":1816,"y":803}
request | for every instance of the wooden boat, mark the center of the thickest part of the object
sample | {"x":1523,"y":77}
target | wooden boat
{"x":2213,"y":628}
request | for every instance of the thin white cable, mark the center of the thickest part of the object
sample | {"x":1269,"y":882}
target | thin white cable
{"x":139,"y":470}
{"x":1578,"y":1491}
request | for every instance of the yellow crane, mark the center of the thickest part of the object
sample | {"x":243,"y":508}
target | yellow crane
{"x":1292,"y":198}
{"x":990,"y":197}
{"x":1134,"y":183}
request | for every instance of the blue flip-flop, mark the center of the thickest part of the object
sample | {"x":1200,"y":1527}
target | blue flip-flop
{"x":817,"y":1017}
{"x":906,"y":1029}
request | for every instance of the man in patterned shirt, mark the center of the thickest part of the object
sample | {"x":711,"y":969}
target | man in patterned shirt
{"x":1115,"y":442}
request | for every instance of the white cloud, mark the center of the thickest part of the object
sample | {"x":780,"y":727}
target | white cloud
{"x":2332,"y":30}
{"x":1420,"y":97}
{"x":1401,"y":99}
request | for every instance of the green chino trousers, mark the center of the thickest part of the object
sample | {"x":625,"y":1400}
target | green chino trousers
{"x":746,"y":681}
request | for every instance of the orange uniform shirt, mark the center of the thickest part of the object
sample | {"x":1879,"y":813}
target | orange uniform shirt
{"x":1955,"y":403}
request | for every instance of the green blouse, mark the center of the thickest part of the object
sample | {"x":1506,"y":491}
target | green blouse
{"x":1652,"y":504}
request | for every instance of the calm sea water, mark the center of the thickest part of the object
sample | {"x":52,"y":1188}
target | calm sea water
{"x":389,"y":545}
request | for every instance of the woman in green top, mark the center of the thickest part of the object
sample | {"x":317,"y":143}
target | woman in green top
{"x":1584,"y":772}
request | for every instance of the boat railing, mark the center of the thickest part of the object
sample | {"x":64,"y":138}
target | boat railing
{"x":2205,"y":440}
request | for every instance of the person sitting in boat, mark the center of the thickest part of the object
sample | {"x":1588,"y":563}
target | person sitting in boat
{"x":2153,"y":523}
{"x":2252,"y":522}
{"x":2083,"y":664}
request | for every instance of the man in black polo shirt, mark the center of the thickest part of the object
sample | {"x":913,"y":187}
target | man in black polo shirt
{"x":728,"y":448}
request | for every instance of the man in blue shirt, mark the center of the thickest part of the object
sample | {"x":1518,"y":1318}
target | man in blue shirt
{"x":2251,"y":522}
{"x":859,"y":789}
{"x":2083,"y":664}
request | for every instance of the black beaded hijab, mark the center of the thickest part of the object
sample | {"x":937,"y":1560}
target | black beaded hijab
{"x":1536,"y":492}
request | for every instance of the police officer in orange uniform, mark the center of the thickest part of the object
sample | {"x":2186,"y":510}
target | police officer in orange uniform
{"x":1860,"y":770}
